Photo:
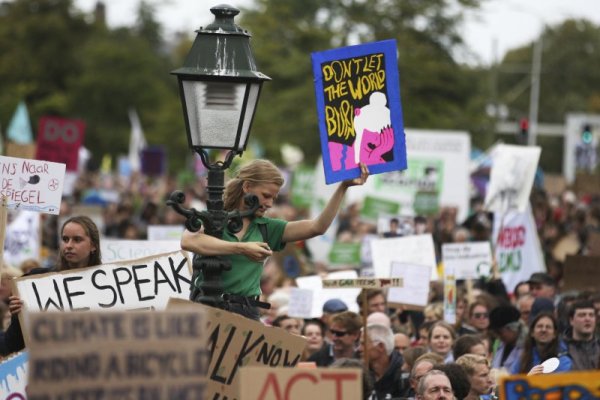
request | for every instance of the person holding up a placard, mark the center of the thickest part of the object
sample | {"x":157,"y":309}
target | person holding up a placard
{"x":247,"y":249}
{"x":79,"y":248}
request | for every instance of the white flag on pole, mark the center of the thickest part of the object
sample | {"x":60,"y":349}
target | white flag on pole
{"x":137,"y":141}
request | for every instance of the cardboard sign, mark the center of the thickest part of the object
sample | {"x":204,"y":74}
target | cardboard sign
{"x":415,"y":289}
{"x":59,"y":140}
{"x":236,"y":342}
{"x":511,"y":178}
{"x":17,"y":150}
{"x":320,"y":295}
{"x":470,"y":260}
{"x":31,"y":184}
{"x":581,"y":273}
{"x":146,"y":283}
{"x":119,"y":250}
{"x":364,"y":283}
{"x":23,"y":238}
{"x":300,"y":384}
{"x":165,"y":232}
{"x":126,"y":355}
{"x":416,"y":250}
{"x":568,"y":385}
{"x":13,"y":376}
{"x":358,"y":105}
{"x":517,"y":247}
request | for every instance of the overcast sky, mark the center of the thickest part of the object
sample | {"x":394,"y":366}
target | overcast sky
{"x":499,"y":24}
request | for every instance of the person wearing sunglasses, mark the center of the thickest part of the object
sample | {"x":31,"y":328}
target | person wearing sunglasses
{"x":345,"y":332}
{"x":479,"y":317}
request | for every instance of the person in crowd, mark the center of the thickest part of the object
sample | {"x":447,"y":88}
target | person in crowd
{"x":479,"y":317}
{"x":246,"y":249}
{"x":458,"y":379}
{"x":384,"y":362}
{"x":434,"y":311}
{"x":288,"y":324}
{"x":435,"y":385}
{"x":505,"y":322}
{"x":521,"y":289}
{"x":79,"y":248}
{"x":394,"y":230}
{"x":379,"y":318}
{"x":478,"y":372}
{"x":314,"y":332}
{"x":583,"y":343}
{"x":330,"y":308}
{"x":540,"y":305}
{"x":543,"y":343}
{"x":469,"y":344}
{"x":421,"y":366}
{"x":423,"y":334}
{"x":409,"y":356}
{"x":401,"y":342}
{"x":345,"y":332}
{"x":542,"y":284}
{"x":441,"y":340}
{"x":461,"y":327}
{"x":524,"y":304}
{"x":375,"y":300}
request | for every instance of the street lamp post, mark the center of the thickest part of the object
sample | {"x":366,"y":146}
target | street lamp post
{"x":219,"y":86}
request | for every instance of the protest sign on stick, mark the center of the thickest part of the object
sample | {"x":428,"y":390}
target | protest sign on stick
{"x":470,"y":260}
{"x":569,"y":385}
{"x":416,"y":250}
{"x":135,"y":355}
{"x":59,"y":140}
{"x":260,"y":383}
{"x":313,"y":285}
{"x":236,"y":342}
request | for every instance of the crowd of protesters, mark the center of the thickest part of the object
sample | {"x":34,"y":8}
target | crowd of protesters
{"x":411,"y":353}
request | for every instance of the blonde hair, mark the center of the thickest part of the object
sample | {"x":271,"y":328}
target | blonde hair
{"x":255,"y":172}
{"x":470,"y":361}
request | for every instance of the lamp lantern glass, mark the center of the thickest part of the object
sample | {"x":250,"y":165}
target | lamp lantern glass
{"x":219,"y":85}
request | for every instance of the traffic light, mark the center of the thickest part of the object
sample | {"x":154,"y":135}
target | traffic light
{"x":523,"y":130}
{"x":586,"y":134}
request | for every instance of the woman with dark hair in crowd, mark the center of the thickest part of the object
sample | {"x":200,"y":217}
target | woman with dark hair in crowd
{"x":543,"y":343}
{"x":79,"y":248}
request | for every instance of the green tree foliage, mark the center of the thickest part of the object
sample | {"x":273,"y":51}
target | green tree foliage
{"x":436,"y":91}
{"x":570,"y":78}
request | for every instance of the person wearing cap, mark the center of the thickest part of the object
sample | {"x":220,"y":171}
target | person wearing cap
{"x":542,"y":284}
{"x":331,"y":307}
{"x":511,"y":332}
{"x":345,"y":333}
{"x":582,"y":342}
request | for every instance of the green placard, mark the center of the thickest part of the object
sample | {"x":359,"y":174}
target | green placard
{"x":373,"y":207}
{"x":426,"y":203}
{"x":303,"y":184}
{"x":345,"y":253}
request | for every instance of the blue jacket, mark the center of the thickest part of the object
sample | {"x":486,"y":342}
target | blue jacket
{"x":565,"y":362}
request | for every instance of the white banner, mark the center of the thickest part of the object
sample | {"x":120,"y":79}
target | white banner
{"x":417,"y":250}
{"x":319,"y":296}
{"x":31,"y":184}
{"x":511,"y":178}
{"x":470,"y":260}
{"x":119,"y":250}
{"x":22,"y":240}
{"x":517,"y":247}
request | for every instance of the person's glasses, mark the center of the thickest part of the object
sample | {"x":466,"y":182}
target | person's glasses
{"x":338,"y":333}
{"x":480,"y":315}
